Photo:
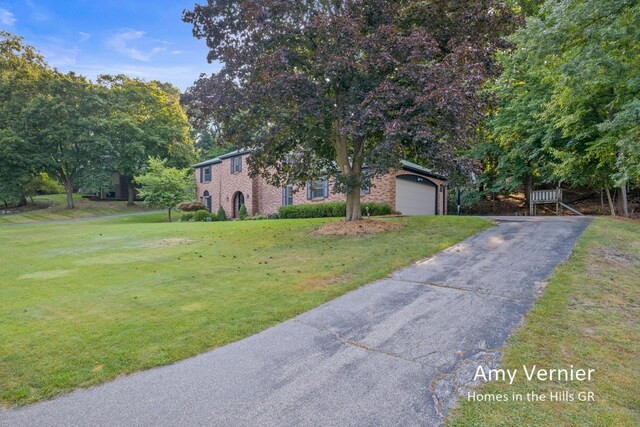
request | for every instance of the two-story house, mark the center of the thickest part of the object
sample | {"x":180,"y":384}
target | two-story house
{"x":225,"y":181}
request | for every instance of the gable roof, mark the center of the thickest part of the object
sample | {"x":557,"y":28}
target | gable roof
{"x":406,"y":165}
{"x":413,"y":167}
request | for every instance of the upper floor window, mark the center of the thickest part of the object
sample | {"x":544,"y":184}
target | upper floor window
{"x":207,"y":174}
{"x":236,"y":164}
{"x":318,"y":189}
{"x":365,"y":190}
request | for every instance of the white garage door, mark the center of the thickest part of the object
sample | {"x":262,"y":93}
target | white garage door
{"x":415,"y":197}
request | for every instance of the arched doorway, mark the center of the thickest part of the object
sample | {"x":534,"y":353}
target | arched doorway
{"x":238,"y":200}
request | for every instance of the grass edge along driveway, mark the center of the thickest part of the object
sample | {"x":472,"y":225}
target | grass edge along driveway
{"x":85,"y":302}
{"x":588,"y":317}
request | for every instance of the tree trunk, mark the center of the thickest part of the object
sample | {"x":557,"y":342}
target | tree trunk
{"x":528,"y":185}
{"x":68,"y":188}
{"x":169,"y":211}
{"x":613,"y":209}
{"x":22,"y":201}
{"x":130,"y":195}
{"x":354,"y":211}
{"x":623,"y":199}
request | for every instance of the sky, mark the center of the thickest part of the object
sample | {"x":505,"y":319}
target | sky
{"x":145,"y":39}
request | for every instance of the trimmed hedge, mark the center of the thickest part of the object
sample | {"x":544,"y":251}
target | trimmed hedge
{"x":326,"y":210}
{"x":192,"y":206}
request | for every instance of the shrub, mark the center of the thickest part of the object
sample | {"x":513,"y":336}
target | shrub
{"x":192,"y":206}
{"x":201,"y":215}
{"x":325,"y":210}
{"x":222,"y":215}
{"x":376,"y":209}
{"x":186,"y":216}
{"x":242,"y":213}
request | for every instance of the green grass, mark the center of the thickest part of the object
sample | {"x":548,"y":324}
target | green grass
{"x":589,"y":317}
{"x":87,"y":301}
{"x":83,"y":209}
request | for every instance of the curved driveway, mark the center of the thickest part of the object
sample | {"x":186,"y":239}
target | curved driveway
{"x":395,"y":352}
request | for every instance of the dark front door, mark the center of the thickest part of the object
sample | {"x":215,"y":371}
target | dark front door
{"x":238,"y":201}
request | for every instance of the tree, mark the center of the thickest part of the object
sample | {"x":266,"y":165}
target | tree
{"x":67,"y":122}
{"x":164,"y":187}
{"x":145,"y":119}
{"x":329,"y":87}
{"x":570,"y":93}
{"x":23,"y":74}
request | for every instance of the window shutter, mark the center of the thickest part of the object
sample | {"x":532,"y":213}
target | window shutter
{"x":326,"y":188}
{"x":201,"y":172}
{"x":233,"y":160}
{"x":284,"y":196}
{"x":308,"y":190}
{"x":239,"y":160}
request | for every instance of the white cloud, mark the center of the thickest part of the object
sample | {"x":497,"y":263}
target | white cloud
{"x":83,"y":36}
{"x":6,"y":17}
{"x":38,"y":13}
{"x":128,"y":43}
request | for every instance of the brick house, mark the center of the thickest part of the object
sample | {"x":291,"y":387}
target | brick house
{"x":225,"y":180}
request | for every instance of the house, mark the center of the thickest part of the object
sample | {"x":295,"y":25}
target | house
{"x":225,"y":181}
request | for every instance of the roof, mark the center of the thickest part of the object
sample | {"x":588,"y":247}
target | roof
{"x":420,"y":169}
{"x":220,"y":158}
{"x":405,"y":164}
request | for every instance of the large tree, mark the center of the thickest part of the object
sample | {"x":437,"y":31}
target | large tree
{"x":23,"y":74}
{"x":570,"y":96}
{"x":329,"y":87}
{"x":145,"y":119}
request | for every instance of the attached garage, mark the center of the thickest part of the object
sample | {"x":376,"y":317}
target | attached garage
{"x":416,"y":195}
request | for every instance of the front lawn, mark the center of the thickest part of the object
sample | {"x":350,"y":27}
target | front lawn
{"x":87,"y":301}
{"x":588,"y":317}
{"x":84,"y":208}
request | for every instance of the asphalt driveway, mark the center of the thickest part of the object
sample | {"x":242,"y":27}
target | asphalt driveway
{"x":395,"y":352}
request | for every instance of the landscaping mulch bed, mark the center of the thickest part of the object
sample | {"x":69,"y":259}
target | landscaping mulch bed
{"x":364,"y":226}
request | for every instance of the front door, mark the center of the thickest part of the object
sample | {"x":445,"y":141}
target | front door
{"x":238,"y":201}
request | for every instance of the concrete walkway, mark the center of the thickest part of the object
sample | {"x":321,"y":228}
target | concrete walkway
{"x":396,"y":352}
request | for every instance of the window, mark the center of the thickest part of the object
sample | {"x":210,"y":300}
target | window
{"x":287,"y":195}
{"x":318,"y":189}
{"x":207,"y":200}
{"x":207,"y":174}
{"x":236,"y":164}
{"x":365,"y":189}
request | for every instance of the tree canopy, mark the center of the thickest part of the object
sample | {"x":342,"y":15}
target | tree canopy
{"x":329,"y":87}
{"x":570,"y":97}
{"x":78,"y":131}
{"x":164,"y":187}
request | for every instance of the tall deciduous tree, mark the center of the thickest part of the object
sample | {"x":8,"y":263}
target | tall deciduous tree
{"x":570,"y":95}
{"x":328,"y":87}
{"x":23,"y":74}
{"x":145,"y":119}
{"x":67,"y":121}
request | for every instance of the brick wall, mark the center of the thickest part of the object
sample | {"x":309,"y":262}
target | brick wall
{"x":263,"y":198}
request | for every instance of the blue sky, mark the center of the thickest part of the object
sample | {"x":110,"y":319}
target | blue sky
{"x":145,"y":39}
